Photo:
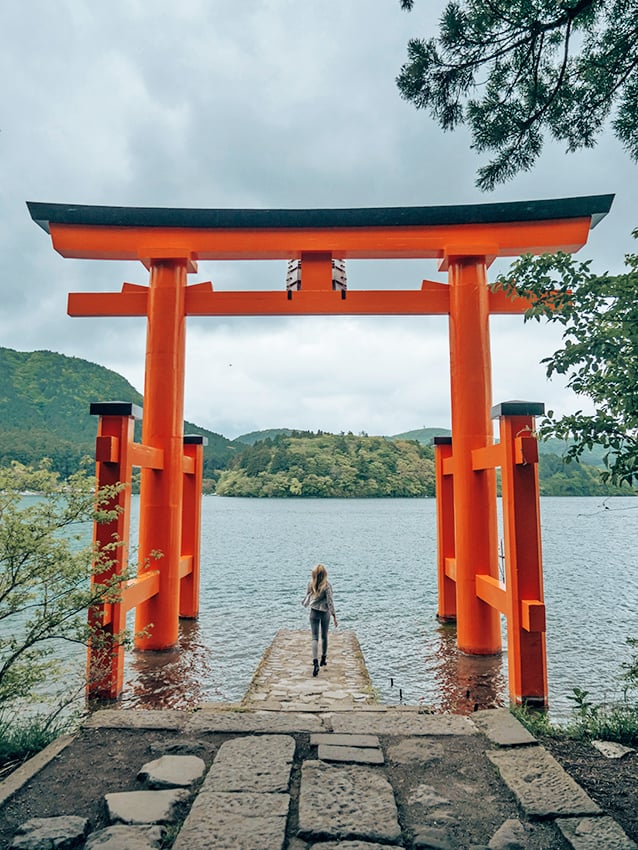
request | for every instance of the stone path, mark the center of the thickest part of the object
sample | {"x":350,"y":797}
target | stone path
{"x":309,"y":763}
{"x":284,"y":681}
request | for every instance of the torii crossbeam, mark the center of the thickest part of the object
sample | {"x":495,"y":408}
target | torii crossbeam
{"x":464,"y":240}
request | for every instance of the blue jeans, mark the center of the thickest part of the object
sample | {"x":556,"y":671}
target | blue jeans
{"x":318,"y":618}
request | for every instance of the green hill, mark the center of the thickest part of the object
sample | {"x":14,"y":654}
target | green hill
{"x":44,"y":413}
{"x":267,"y":434}
{"x":44,"y":410}
{"x":423,"y":435}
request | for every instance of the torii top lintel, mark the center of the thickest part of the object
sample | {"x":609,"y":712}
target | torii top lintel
{"x":487,"y":230}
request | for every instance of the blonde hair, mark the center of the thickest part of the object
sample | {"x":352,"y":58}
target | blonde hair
{"x":318,"y":579}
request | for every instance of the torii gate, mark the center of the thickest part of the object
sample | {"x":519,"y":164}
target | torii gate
{"x":465,"y":240}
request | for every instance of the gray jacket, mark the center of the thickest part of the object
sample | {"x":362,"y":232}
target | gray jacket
{"x":322,"y":602}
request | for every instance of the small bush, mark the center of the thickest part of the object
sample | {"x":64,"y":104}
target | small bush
{"x":18,"y":742}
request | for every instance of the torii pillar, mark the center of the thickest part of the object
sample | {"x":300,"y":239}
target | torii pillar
{"x":476,"y":533}
{"x":163,"y":425}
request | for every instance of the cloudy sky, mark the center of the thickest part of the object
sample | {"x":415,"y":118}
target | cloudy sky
{"x":270,"y":103}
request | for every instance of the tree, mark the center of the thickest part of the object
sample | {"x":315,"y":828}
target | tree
{"x":511,"y":69}
{"x":599,"y":314}
{"x":45,"y":573}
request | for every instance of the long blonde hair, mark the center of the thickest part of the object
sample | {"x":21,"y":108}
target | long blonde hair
{"x":318,"y":580}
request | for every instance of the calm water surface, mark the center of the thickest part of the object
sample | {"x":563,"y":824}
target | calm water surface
{"x":381,"y":556}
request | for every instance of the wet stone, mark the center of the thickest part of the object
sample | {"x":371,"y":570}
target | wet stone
{"x":255,"y":763}
{"x":511,"y":835}
{"x":540,"y":784}
{"x":347,"y":801}
{"x":39,"y":833}
{"x":121,"y":837}
{"x":595,"y":834}
{"x":432,"y":838}
{"x":612,"y":750}
{"x":348,"y":845}
{"x":172,"y":720}
{"x":145,"y":807}
{"x":209,"y":721}
{"x":172,"y":771}
{"x":502,"y":728}
{"x":402,"y":723}
{"x":345,"y":740}
{"x":355,"y":755}
{"x":235,"y":821}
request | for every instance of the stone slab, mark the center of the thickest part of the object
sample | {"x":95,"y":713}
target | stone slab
{"x":121,"y":837}
{"x":344,"y":740}
{"x":144,"y":807}
{"x":253,"y":721}
{"x":513,"y":834}
{"x":348,"y":845}
{"x":21,"y":775}
{"x":253,"y":763}
{"x":355,"y":755}
{"x":502,"y":728}
{"x":541,"y":786}
{"x":348,"y":802}
{"x":235,"y":821}
{"x":595,"y":834}
{"x":172,"y":771}
{"x":62,"y":831}
{"x":612,"y":750}
{"x":169,"y":719}
{"x":401,"y":723}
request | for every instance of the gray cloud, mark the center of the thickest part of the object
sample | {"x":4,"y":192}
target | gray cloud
{"x":270,"y":104}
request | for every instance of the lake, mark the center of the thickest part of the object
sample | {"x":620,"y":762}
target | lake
{"x":381,"y":556}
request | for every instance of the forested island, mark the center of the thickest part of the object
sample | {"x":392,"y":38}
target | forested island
{"x":344,"y":465}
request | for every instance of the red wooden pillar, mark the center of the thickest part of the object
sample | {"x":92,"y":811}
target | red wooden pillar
{"x":191,"y":524}
{"x":105,"y":656}
{"x":523,"y":558}
{"x":163,"y":428}
{"x":446,"y":563}
{"x":476,"y":543}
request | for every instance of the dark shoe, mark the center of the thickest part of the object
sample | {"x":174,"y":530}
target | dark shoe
{"x":323,"y":661}
{"x":315,"y":667}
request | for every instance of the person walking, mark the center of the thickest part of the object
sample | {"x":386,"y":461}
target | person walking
{"x":319,"y":598}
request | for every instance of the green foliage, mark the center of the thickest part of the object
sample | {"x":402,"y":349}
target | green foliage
{"x":599,"y":316}
{"x":21,"y":740}
{"x":559,"y":476}
{"x":45,"y":572}
{"x":329,"y":465}
{"x":590,"y":721}
{"x":512,"y":69}
{"x":44,"y":411}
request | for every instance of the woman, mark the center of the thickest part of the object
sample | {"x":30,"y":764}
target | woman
{"x":319,"y":598}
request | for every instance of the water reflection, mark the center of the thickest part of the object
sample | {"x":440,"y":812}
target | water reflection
{"x":173,"y":678}
{"x":464,"y":683}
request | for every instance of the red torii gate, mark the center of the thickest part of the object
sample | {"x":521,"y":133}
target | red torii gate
{"x":465,"y":240}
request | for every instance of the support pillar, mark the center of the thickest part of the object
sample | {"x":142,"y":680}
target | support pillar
{"x":446,"y":562}
{"x":105,"y":655}
{"x":191,"y":524}
{"x":476,"y":536}
{"x":527,"y":662}
{"x":163,"y":428}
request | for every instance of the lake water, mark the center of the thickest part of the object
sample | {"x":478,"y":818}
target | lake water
{"x":381,"y":555}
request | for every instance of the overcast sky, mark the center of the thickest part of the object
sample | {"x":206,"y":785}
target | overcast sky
{"x":270,"y":103}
